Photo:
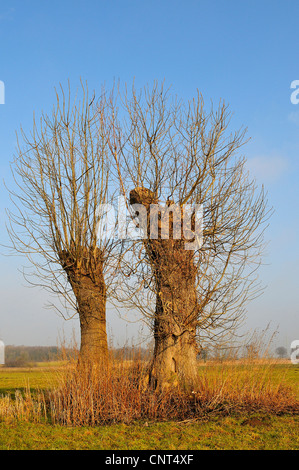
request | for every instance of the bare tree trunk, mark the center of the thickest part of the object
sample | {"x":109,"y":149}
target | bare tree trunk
{"x":177,"y":307}
{"x":174,"y":357}
{"x":175,"y":321}
{"x":92,"y":311}
{"x":90,"y":293}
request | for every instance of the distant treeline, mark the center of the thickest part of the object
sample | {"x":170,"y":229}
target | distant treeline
{"x":24,"y":355}
{"x":130,"y":353}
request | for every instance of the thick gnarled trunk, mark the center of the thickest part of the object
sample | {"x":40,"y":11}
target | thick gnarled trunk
{"x":174,"y":358}
{"x":177,"y":308}
{"x":175,"y":322}
{"x":88,"y":284}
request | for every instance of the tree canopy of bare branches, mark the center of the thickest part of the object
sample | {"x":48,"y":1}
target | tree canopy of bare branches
{"x":173,"y":154}
{"x":61,"y":173}
{"x":167,"y":158}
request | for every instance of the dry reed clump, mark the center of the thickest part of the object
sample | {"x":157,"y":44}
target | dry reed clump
{"x":23,"y":407}
{"x":244,"y":387}
{"x":88,"y":395}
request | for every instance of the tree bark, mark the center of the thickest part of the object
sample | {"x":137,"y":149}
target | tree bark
{"x":176,"y":311}
{"x":174,"y":358}
{"x":89,"y":287}
{"x":175,"y":321}
{"x":91,"y":300}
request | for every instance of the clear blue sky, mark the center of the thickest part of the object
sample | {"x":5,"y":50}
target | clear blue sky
{"x":245,"y":52}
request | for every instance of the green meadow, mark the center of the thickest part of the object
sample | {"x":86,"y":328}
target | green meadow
{"x":254,"y":431}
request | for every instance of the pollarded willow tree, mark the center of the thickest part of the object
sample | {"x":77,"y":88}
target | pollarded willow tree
{"x":62,"y":176}
{"x":173,"y":158}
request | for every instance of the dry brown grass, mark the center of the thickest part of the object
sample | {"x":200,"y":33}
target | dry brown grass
{"x":23,"y":407}
{"x":246,"y":387}
{"x":88,"y":395}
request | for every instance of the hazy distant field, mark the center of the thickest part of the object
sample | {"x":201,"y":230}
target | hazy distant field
{"x":230,"y":432}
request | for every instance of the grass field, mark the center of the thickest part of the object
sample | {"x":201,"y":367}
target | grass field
{"x":257,"y":431}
